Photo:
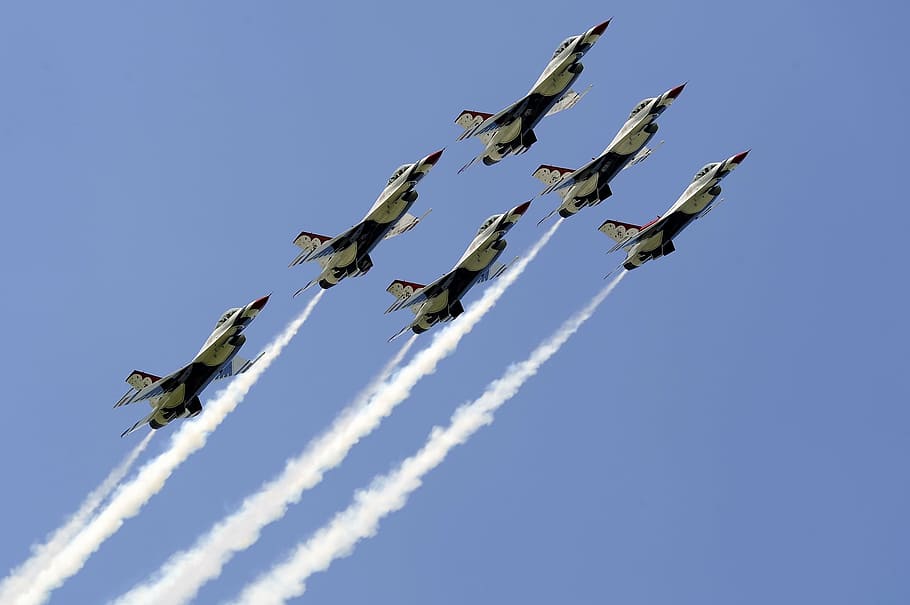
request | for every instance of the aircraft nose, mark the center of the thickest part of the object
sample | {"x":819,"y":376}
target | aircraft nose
{"x":673,"y":93}
{"x":259,"y":303}
{"x":739,"y":157}
{"x":434,"y":157}
{"x":521,"y":208}
{"x":598,"y":30}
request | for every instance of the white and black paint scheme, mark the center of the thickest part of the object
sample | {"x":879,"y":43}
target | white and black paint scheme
{"x":177,"y":395}
{"x":643,"y":243}
{"x":348,"y":254}
{"x":511,"y":131}
{"x":441,"y":300}
{"x":590,"y":184}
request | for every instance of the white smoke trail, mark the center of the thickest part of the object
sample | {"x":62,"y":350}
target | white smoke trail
{"x":20,"y":577}
{"x":181,"y":577}
{"x":185,"y":572}
{"x":390,"y":492}
{"x":150,"y":479}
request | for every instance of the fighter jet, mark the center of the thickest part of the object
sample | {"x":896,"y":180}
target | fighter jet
{"x":441,"y":300}
{"x":177,"y":394}
{"x":655,"y":239}
{"x":590,"y":184}
{"x":348,"y":254}
{"x":511,"y":131}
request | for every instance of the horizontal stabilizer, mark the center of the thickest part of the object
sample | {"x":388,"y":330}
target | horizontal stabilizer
{"x":139,"y":424}
{"x":568,"y":100}
{"x":309,"y":243}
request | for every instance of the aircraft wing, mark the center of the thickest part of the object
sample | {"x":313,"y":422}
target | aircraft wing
{"x":238,"y":365}
{"x":405,"y":224}
{"x":493,"y":271}
{"x":568,"y":100}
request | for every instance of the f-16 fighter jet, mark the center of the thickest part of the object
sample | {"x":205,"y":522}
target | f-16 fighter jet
{"x":441,"y":300}
{"x":655,"y":239}
{"x":511,"y":131}
{"x":590,"y":184}
{"x":348,"y":254}
{"x":177,"y":394}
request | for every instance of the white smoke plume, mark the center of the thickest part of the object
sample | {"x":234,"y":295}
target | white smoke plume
{"x":132,"y":496}
{"x":390,"y":492}
{"x":185,"y":572}
{"x":20,"y":577}
{"x":181,"y":577}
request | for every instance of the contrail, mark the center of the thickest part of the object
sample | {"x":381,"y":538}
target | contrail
{"x":150,"y":479}
{"x":390,"y":492}
{"x":19,"y":578}
{"x":181,"y":577}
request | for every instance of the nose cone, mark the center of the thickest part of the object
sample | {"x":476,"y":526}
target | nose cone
{"x":739,"y":157}
{"x":598,"y":30}
{"x":521,"y":208}
{"x":675,"y":92}
{"x":433,"y":157}
{"x":259,"y":303}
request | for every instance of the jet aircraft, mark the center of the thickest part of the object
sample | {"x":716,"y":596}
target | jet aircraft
{"x":590,"y":184}
{"x":511,"y":131}
{"x":441,"y":300}
{"x":177,"y":395}
{"x":655,"y":239}
{"x":348,"y":254}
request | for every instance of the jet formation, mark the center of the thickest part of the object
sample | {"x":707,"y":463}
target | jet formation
{"x":506,"y":133}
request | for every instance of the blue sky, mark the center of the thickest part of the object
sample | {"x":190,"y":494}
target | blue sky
{"x":730,"y":427}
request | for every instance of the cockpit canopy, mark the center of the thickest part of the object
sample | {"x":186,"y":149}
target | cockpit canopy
{"x":488,"y":222}
{"x":227,"y":315}
{"x":398,"y":172}
{"x":565,"y":44}
{"x":640,"y":106}
{"x":704,"y":171}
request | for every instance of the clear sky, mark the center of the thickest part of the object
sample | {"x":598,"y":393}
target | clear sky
{"x":732,"y":425}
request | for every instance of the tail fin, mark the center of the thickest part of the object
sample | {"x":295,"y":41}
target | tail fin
{"x":139,"y":379}
{"x":401,"y":289}
{"x":470,"y":120}
{"x":404,"y":292}
{"x":139,"y":382}
{"x":618,"y":231}
{"x":308,"y":242}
